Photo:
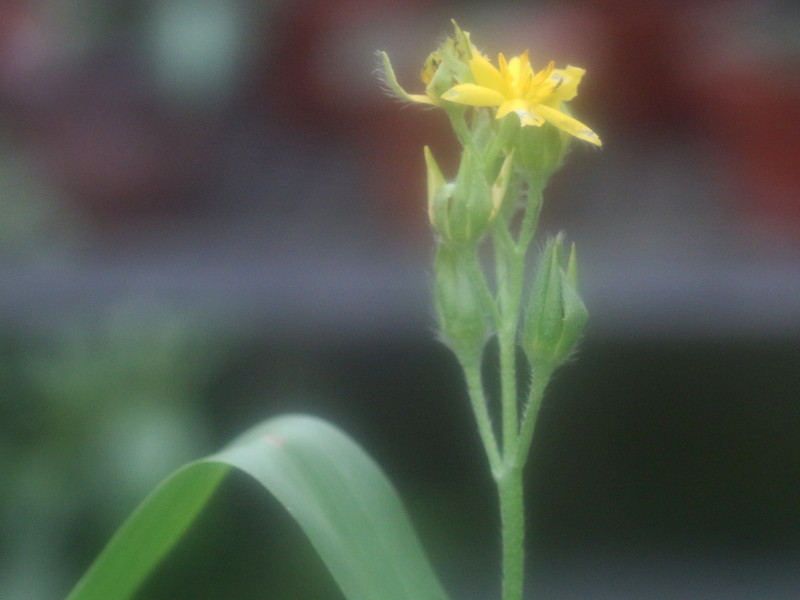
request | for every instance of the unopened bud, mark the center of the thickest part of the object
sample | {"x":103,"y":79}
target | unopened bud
{"x":556,"y":315}
{"x":541,"y":150}
{"x":463,"y":319}
{"x":462,"y":210}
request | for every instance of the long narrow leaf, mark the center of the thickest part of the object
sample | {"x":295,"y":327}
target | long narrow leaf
{"x":337,"y":494}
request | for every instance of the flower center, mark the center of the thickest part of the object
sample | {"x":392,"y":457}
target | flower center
{"x":523,"y":82}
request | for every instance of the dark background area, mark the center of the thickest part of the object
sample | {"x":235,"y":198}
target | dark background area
{"x":213,"y":214}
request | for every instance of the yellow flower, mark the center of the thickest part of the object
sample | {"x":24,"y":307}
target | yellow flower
{"x":535,"y":97}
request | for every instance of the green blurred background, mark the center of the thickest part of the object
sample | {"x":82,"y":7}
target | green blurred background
{"x":213,"y":214}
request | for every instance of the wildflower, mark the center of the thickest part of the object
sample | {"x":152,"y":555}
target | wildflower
{"x":534,"y":97}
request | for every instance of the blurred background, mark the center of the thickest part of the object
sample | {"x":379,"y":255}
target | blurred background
{"x":212,"y":214}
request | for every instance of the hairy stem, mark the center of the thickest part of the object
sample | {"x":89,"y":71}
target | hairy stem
{"x":512,"y":516}
{"x":472,"y":372}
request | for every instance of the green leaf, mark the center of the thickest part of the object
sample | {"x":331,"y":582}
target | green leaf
{"x":338,"y":495}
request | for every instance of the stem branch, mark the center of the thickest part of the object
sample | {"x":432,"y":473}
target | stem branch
{"x":472,"y":372}
{"x":538,"y":384}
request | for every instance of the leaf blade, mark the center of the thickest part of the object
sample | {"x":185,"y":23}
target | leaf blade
{"x":150,"y":533}
{"x":338,"y":495}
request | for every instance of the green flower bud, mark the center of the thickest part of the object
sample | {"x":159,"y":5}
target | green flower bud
{"x":556,"y":315}
{"x":541,"y":150}
{"x":462,"y":210}
{"x":464,"y":322}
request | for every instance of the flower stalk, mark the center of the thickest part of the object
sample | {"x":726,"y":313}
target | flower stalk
{"x":515,"y":127}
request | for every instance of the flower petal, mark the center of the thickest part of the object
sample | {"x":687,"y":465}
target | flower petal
{"x":486,"y":74}
{"x":568,"y":124}
{"x":524,"y":72}
{"x":567,"y":81}
{"x":508,"y":69}
{"x":524,"y":111}
{"x":544,"y":74}
{"x":473,"y":95}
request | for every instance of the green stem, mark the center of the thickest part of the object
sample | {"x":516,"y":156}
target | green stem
{"x":510,"y":275}
{"x":471,"y":364}
{"x":509,"y":484}
{"x":510,"y":257}
{"x":510,"y":265}
{"x":460,"y":127}
{"x":508,"y":382}
{"x":531,"y":219}
{"x":472,"y":372}
{"x":512,"y":516}
{"x":539,"y":382}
